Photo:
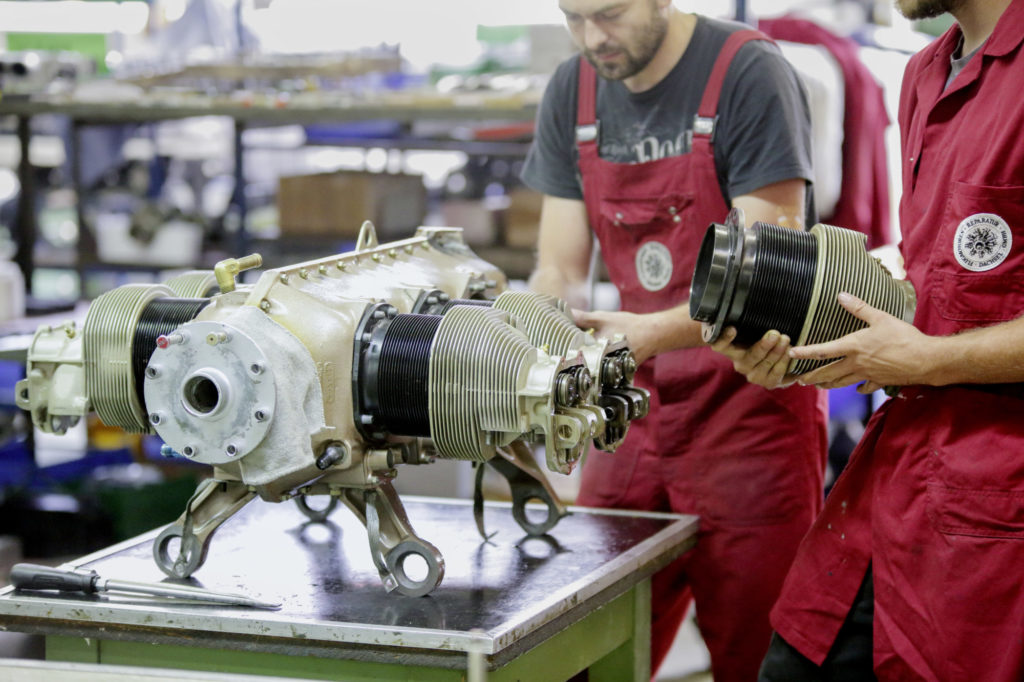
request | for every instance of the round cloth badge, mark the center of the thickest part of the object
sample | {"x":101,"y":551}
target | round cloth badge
{"x":982,"y":242}
{"x":654,"y":266}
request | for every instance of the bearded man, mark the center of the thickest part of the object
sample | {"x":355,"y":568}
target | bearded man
{"x":665,"y":122}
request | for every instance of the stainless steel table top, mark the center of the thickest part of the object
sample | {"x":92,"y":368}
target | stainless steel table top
{"x":496,"y":598}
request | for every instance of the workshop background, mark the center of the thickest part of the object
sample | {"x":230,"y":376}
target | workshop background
{"x":177,"y":133}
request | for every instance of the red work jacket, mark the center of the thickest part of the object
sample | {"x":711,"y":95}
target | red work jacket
{"x":933,"y":496}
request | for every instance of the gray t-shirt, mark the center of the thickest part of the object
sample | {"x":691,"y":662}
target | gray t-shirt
{"x":763,"y":134}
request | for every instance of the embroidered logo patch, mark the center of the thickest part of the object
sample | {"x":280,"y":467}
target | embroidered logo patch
{"x":653,"y":266}
{"x":982,"y":242}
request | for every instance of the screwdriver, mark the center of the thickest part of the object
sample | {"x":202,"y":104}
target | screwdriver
{"x":35,"y":577}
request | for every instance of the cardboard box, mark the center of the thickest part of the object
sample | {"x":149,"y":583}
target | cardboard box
{"x":474,"y":216}
{"x":522,"y":218}
{"x":336,"y":204}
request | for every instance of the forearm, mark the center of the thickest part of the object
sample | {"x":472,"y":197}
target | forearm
{"x":987,"y":355}
{"x":673,"y":329}
{"x":553,"y":281}
{"x":648,"y":333}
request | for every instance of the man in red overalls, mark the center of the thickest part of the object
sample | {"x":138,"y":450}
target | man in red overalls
{"x":913,"y":570}
{"x":666,"y":121}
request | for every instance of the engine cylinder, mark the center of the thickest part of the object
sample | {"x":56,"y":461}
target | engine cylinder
{"x":770,"y":277}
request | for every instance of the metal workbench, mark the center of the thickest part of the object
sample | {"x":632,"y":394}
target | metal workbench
{"x":531,"y":608}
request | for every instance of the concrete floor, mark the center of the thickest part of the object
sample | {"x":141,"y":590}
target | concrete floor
{"x":688,"y":659}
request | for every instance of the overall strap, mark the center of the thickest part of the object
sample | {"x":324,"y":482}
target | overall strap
{"x":704,"y":122}
{"x":586,"y":103}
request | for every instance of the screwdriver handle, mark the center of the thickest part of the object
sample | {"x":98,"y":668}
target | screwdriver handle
{"x":36,"y":577}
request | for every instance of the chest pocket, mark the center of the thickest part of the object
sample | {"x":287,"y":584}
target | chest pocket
{"x":983,"y":229}
{"x":642,"y":216}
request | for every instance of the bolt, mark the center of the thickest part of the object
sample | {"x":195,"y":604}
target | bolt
{"x":444,"y":297}
{"x":431,"y":300}
{"x":189,"y":451}
{"x":163,"y":341}
{"x":154,"y":418}
{"x":408,"y":248}
{"x":391,"y":312}
{"x":378,"y":314}
{"x":284,"y":278}
{"x":167,"y":451}
{"x":322,"y":269}
{"x":375,"y":257}
{"x":264,"y":305}
{"x":213,"y":338}
{"x":334,"y":452}
{"x":491,"y":283}
{"x":393,"y":253}
{"x":373,"y":480}
{"x":231,"y":450}
{"x":304,"y":273}
{"x":342,"y":265}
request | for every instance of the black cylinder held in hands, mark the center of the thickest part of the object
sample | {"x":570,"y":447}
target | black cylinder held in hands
{"x":770,"y":277}
{"x":754,"y":280}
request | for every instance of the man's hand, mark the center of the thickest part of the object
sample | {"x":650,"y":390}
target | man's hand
{"x":607,"y":324}
{"x":888,"y":352}
{"x":764,"y":363}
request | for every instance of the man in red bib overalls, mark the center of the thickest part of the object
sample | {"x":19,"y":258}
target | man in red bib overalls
{"x":912,"y":572}
{"x":666,"y":121}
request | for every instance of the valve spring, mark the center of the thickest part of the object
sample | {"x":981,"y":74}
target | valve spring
{"x":403,"y":374}
{"x":781,"y":285}
{"x":465,"y":301}
{"x":160,"y":316}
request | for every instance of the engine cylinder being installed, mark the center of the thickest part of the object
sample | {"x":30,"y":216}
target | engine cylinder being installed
{"x":771,"y":277}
